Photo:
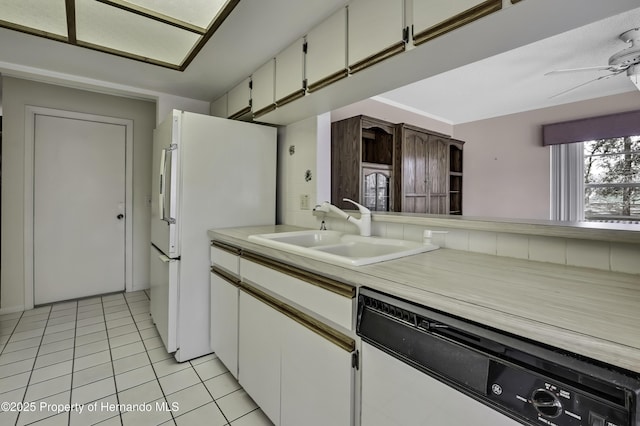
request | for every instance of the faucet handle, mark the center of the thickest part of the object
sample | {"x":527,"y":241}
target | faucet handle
{"x":363,"y":209}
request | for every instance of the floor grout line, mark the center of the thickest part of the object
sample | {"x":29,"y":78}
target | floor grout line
{"x":116,"y":308}
{"x":73,"y":361}
{"x":113,"y":370}
{"x":35,"y":360}
{"x":147,"y":353}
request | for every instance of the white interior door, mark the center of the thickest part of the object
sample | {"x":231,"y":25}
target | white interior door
{"x":79,"y":208}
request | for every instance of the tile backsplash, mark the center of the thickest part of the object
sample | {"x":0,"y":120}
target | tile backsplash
{"x":602,"y":255}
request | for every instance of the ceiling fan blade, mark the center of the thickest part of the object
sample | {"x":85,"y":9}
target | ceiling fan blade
{"x":600,"y":68}
{"x":603,"y":77}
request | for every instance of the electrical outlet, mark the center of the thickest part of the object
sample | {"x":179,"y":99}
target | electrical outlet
{"x":304,"y":202}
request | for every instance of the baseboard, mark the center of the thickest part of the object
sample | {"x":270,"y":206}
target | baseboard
{"x":11,"y":309}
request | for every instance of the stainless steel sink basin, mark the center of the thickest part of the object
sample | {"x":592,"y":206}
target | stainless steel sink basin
{"x":339,"y":248}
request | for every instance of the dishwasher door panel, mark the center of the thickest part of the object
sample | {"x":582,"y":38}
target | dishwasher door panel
{"x":394,"y":393}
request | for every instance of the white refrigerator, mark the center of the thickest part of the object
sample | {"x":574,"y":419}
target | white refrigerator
{"x":208,"y":172}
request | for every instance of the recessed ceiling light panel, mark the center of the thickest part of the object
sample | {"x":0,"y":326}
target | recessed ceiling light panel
{"x":47,"y":16}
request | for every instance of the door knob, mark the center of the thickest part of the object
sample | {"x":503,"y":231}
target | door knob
{"x":120,"y":216}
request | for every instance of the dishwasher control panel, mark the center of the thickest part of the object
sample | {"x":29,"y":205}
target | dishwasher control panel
{"x":549,"y":402}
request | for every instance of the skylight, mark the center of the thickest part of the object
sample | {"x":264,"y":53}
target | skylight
{"x":167,"y":33}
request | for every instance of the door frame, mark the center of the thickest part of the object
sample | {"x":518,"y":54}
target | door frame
{"x":29,"y":191}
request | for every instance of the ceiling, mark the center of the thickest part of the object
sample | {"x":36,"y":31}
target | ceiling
{"x":160,"y":32}
{"x":257,"y":30}
{"x":254,"y":32}
{"x":515,"y":81}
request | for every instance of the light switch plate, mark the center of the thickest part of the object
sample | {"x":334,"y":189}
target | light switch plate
{"x":304,"y":202}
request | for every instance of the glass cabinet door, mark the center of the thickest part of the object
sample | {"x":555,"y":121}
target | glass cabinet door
{"x":376,"y":189}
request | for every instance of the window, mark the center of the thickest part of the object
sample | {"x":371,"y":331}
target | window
{"x":595,"y":165}
{"x":612,"y":179}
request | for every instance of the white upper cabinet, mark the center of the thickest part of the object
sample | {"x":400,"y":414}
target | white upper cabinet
{"x":290,"y":73}
{"x":218,"y":107}
{"x":239,"y":99}
{"x":432,"y":18}
{"x":327,"y":51}
{"x":263,"y":89}
{"x":375,"y":31}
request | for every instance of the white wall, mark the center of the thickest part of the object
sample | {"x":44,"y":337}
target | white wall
{"x":506,"y":168}
{"x":311,"y":139}
{"x":18,"y":93}
{"x":165,"y":103}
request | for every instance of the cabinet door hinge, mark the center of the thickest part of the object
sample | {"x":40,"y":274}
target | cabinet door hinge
{"x":355,"y":360}
{"x":405,"y":34}
{"x":250,"y":84}
{"x":304,"y":47}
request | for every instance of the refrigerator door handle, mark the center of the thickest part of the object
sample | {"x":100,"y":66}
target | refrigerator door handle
{"x":165,"y":259}
{"x":171,"y":162}
{"x":163,"y":154}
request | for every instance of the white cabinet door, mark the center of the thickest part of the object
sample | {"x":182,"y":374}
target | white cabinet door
{"x":374,"y":27}
{"x":224,"y":322}
{"x":317,"y":379}
{"x":290,"y":73}
{"x":327,"y":51}
{"x":259,"y":354}
{"x":239,"y":99}
{"x":263,"y":89}
{"x":432,"y":18}
{"x":219,"y":107}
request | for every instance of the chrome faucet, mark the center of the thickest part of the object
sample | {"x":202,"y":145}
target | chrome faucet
{"x":363,"y":224}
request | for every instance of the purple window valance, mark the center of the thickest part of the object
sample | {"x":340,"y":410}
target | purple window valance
{"x":586,"y":129}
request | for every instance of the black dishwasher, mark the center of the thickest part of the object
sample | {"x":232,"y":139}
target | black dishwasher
{"x":531,"y":383}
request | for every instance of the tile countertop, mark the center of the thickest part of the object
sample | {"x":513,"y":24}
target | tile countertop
{"x":587,"y":311}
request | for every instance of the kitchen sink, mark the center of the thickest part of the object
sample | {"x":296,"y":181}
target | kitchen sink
{"x":341,"y":249}
{"x":302,"y":238}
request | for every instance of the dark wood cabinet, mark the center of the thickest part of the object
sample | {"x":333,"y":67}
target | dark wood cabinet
{"x":395,"y":167}
{"x":422,"y":171}
{"x":455,"y":176}
{"x":361,"y":162}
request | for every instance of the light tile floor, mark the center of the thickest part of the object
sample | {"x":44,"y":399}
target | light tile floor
{"x":100,"y":361}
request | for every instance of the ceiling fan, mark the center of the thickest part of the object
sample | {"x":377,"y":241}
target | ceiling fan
{"x":627,"y":60}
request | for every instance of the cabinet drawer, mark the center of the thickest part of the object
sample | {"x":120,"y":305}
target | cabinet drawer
{"x":311,"y":292}
{"x":225,"y":257}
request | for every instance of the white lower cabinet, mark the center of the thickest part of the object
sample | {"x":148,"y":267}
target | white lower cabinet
{"x":295,"y":375}
{"x":224,"y":321}
{"x":259,"y":354}
{"x":316,"y":379}
{"x":271,"y":330}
